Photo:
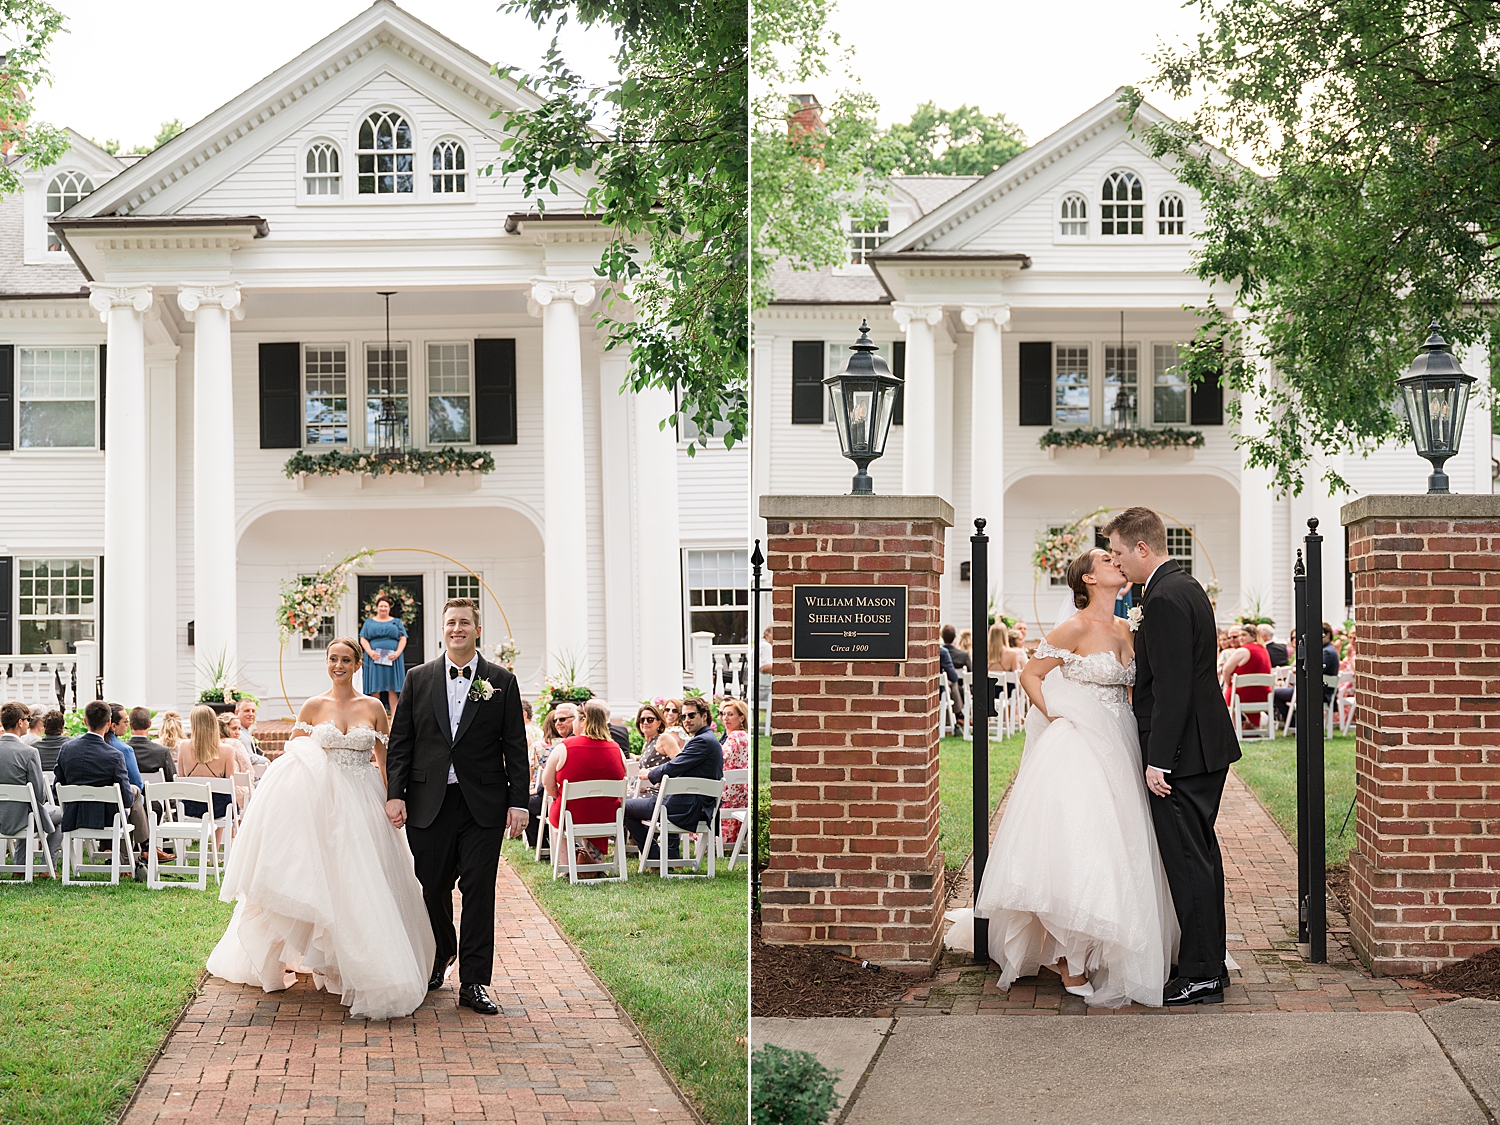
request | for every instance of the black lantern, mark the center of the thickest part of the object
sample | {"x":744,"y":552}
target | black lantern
{"x":864,"y":397}
{"x":1124,"y":409}
{"x":1435,"y":393}
{"x":390,"y":430}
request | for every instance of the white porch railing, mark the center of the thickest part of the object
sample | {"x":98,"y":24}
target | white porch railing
{"x":42,"y":681}
{"x":720,"y":670}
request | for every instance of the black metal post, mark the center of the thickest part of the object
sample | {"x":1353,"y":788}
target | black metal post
{"x":979,"y":715}
{"x":757,"y":560}
{"x":1303,"y":694}
{"x":1317,"y":816}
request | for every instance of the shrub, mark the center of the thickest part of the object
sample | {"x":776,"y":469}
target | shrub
{"x":790,"y":1088}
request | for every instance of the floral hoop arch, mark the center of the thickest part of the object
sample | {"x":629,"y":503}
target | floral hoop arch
{"x":403,"y":605}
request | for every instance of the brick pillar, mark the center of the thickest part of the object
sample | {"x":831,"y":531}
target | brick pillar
{"x":1426,"y":870}
{"x":854,"y":862}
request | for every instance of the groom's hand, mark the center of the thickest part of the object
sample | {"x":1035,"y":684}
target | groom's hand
{"x":515,"y":823}
{"x":1156,"y":781}
{"x":395,"y":812}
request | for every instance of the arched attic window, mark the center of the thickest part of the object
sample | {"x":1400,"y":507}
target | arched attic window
{"x":387,"y":160}
{"x":1122,"y":207}
{"x":322,"y":169}
{"x":1074,"y":216}
{"x":449,"y":168}
{"x":1170,"y":214}
{"x":66,"y":189}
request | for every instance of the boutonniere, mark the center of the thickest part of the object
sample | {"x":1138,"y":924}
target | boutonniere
{"x":481,"y":691}
{"x":1135,"y":617}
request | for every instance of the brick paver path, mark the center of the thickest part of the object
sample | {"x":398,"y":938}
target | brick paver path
{"x":558,"y":1051}
{"x":1260,"y":875}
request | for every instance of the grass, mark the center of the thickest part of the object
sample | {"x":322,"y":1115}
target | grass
{"x":675,"y":956}
{"x":1270,"y":769}
{"x":956,"y":791}
{"x":91,"y":981}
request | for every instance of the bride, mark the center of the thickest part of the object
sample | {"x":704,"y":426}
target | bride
{"x":1074,"y":879}
{"x":321,"y":881}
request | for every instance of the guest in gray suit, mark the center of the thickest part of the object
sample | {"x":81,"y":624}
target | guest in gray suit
{"x":20,"y":764}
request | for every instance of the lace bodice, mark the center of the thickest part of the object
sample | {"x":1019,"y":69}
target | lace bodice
{"x":350,"y":749}
{"x":1100,"y":672}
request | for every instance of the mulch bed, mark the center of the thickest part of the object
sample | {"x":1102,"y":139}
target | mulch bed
{"x":1478,"y":976}
{"x":800,"y":982}
{"x":1338,"y":884}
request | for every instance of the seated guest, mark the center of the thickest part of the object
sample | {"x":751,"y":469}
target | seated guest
{"x":149,"y":756}
{"x":557,"y":728}
{"x":660,"y":745}
{"x":205,"y":753}
{"x":170,"y":734}
{"x":1281,"y":698}
{"x":1330,"y":663}
{"x":53,"y":739}
{"x":119,"y":731}
{"x":229,"y":734}
{"x":245,"y":712}
{"x":621,"y":735}
{"x":90,"y":760}
{"x":671,"y":710}
{"x":959,"y":659}
{"x":736,"y":718}
{"x":533,"y":735}
{"x":1248,"y":657}
{"x":20,"y":764}
{"x":700,"y":757}
{"x":590,"y":755}
{"x":1274,"y":648}
{"x":33,"y":733}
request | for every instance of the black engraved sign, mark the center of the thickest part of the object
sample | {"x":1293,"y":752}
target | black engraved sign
{"x":848,"y":622}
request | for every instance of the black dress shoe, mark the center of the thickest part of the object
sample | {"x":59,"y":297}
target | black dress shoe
{"x":439,"y":973}
{"x":474,"y":996}
{"x":1181,"y":991}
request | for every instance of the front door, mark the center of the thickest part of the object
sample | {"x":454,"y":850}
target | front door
{"x":412,"y":583}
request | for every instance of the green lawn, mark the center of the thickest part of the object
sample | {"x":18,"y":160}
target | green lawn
{"x":674,"y":954}
{"x":91,"y":981}
{"x":956,"y":791}
{"x":1270,"y":769}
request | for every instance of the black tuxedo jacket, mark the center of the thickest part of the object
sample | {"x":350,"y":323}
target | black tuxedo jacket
{"x":1185,"y":726}
{"x":152,"y":756}
{"x":488,"y":753}
{"x":701,"y":757}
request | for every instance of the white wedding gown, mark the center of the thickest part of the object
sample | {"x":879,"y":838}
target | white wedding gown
{"x":1074,"y":872}
{"x":324,"y":885}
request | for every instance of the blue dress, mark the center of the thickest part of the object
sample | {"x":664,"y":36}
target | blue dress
{"x":384,"y":636}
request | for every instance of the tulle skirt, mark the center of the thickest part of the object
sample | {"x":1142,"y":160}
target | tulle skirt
{"x":1074,"y":873}
{"x":324,"y":885}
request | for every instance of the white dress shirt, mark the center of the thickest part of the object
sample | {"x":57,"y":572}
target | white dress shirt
{"x":458,"y":693}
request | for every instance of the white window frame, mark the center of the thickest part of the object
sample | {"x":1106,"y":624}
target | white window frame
{"x":53,"y":176}
{"x":353,"y":392}
{"x":687,"y":597}
{"x":426,"y":394}
{"x":882,"y":233}
{"x":413,"y":387}
{"x":1192,"y":548}
{"x":450,"y":576}
{"x":1187,"y":414}
{"x":51,"y":556}
{"x":1163,"y":201}
{"x":1094,"y":376}
{"x":467,"y":174}
{"x":1060,"y":219}
{"x":53,"y":450}
{"x":1146,"y":219}
{"x":419,"y":146}
{"x":303,"y":198}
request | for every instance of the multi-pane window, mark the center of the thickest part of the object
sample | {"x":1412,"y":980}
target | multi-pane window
{"x":1074,"y":216}
{"x":1170,"y":214}
{"x":387,"y":161}
{"x":66,"y":189}
{"x":56,"y":607}
{"x":450,"y":394}
{"x":865,"y":237}
{"x":57,"y":391}
{"x":1169,"y":388}
{"x":1071,"y":385}
{"x":1121,"y":374}
{"x":448,"y":175}
{"x":718,"y":593}
{"x":1122,"y":207}
{"x":387,"y":376}
{"x":326,"y":409}
{"x":1180,"y":547}
{"x":322,"y":169}
{"x":463,"y":586}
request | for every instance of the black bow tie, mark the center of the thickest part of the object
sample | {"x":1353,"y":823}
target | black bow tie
{"x":454,"y":673}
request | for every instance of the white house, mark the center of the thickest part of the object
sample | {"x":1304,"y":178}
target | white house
{"x":1020,"y":304}
{"x":174,"y":328}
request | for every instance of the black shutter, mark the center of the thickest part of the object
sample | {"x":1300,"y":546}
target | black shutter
{"x":7,"y":400}
{"x":495,"y":392}
{"x":280,"y":396}
{"x":898,"y":369}
{"x":7,"y":602}
{"x":808,"y":391}
{"x":103,"y":367}
{"x":1036,"y":383}
{"x":1208,"y":401}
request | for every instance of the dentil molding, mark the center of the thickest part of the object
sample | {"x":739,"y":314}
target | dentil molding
{"x":190,"y":298}
{"x":103,"y":298}
{"x":904,"y":313}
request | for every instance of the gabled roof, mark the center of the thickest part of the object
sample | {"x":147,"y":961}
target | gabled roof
{"x":382,"y":24}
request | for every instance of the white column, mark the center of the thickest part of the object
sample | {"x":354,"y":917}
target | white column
{"x":658,"y":546}
{"x":1257,"y":495}
{"x":619,"y":571}
{"x":126,"y":489}
{"x":987,"y":428}
{"x":215,"y":578}
{"x":919,"y":420}
{"x":164,"y":628}
{"x":565,"y":564}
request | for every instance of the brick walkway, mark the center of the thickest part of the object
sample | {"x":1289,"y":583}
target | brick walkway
{"x":558,"y":1050}
{"x":1260,"y":875}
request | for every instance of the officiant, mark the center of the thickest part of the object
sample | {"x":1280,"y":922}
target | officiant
{"x":383,"y":637}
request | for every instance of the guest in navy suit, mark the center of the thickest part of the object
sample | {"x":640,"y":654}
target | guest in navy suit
{"x":701,"y":757}
{"x":90,"y":760}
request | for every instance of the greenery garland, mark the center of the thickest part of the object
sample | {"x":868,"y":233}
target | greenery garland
{"x":1091,"y":438}
{"x":417,"y":461}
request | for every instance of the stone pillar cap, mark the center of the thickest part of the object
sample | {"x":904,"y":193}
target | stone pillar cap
{"x":1420,"y":506}
{"x":869,"y":507}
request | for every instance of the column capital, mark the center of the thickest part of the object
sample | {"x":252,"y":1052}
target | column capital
{"x":103,"y":298}
{"x":904,"y":312}
{"x":545,"y":290}
{"x":971,"y":315}
{"x":190,"y":298}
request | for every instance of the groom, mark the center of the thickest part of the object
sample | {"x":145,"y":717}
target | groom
{"x":1187,"y":743}
{"x":456,"y":777}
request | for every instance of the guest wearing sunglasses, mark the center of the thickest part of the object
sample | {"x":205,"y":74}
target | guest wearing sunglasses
{"x":700,"y":757}
{"x":661,"y":744}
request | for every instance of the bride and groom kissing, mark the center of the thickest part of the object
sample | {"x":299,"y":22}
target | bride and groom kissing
{"x":324,"y":878}
{"x":1105,"y":864}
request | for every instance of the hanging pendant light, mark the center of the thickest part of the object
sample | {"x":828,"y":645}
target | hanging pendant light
{"x":389,"y":427}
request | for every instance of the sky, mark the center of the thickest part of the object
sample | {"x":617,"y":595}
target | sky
{"x":1038,"y":64}
{"x":121,"y":69}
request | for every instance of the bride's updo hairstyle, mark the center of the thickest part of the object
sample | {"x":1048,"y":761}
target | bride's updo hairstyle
{"x":348,"y":642}
{"x":1083,"y":564}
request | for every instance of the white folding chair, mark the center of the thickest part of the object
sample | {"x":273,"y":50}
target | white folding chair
{"x":1267,"y":727}
{"x":32,"y":837}
{"x":231,"y":818}
{"x":245,"y":781}
{"x":946,"y":721}
{"x":662,"y":829}
{"x":966,"y":675}
{"x":49,"y":777}
{"x":117,"y":834}
{"x":632,"y":776}
{"x":1343,"y":701}
{"x":544,"y":825}
{"x":573,"y":834}
{"x":182,"y":831}
{"x":742,"y":815}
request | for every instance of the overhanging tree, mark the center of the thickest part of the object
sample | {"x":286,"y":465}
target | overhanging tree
{"x":955,"y":142}
{"x":27,"y":28}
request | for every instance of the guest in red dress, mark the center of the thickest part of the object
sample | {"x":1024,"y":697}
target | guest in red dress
{"x":1248,"y":657}
{"x":589,"y":756}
